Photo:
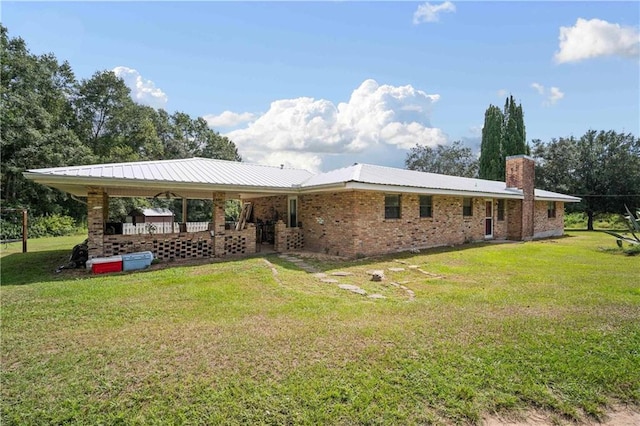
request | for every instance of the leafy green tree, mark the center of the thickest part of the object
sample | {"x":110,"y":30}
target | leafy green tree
{"x":603,"y":168}
{"x":51,"y":120}
{"x":556,"y":164}
{"x":102,"y":106}
{"x":454,"y":160}
{"x":37,"y":126}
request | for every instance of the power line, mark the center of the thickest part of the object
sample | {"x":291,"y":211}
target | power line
{"x":606,"y":195}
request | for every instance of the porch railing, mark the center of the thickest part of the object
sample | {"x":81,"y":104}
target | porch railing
{"x":161,"y":228}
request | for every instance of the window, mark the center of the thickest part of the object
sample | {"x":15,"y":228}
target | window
{"x":392,"y":206}
{"x":500,"y":209}
{"x":467,"y":206}
{"x":426,"y":206}
{"x":551,"y":209}
{"x":293,"y":212}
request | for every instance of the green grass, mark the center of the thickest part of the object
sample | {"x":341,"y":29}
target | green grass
{"x":550,"y":325}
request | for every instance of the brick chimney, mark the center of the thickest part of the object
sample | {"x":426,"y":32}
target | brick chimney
{"x":520,"y":173}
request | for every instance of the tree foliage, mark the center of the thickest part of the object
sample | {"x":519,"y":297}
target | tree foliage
{"x":603,"y":168}
{"x":491,"y":164}
{"x":50,"y":119}
{"x":503,"y":135}
{"x":454,"y":160}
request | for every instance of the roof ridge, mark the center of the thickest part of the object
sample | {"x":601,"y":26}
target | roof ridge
{"x":173,"y":160}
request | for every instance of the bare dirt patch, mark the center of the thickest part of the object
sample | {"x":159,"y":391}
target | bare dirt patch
{"x":618,"y":416}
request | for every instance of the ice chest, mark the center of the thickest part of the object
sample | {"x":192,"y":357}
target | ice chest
{"x":134,"y":261}
{"x":102,"y":265}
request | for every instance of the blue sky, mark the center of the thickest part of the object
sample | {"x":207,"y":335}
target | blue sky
{"x":326,"y":84}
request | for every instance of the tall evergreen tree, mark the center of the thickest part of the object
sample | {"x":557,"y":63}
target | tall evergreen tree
{"x":503,"y":135}
{"x":491,"y":163}
{"x":514,"y":137}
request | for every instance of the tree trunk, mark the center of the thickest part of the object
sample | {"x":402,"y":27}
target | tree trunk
{"x":589,"y":220}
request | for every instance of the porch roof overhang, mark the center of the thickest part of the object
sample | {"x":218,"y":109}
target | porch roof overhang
{"x":118,"y":187}
{"x":199,"y":178}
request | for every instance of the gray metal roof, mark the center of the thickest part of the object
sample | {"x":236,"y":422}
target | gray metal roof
{"x":231,"y":176}
{"x":189,"y":170}
{"x":401,"y":178}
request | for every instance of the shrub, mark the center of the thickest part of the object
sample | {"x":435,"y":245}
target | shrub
{"x":52,"y":226}
{"x":44,"y":226}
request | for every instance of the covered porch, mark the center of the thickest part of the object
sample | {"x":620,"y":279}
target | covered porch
{"x":263,"y":225}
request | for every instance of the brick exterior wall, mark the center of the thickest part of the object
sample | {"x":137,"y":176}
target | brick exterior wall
{"x":546,"y":226}
{"x":288,"y":239}
{"x":352,"y":223}
{"x":514,"y":220}
{"x":270,"y":208}
{"x":217,"y":219}
{"x":96,"y":207}
{"x":163,"y":246}
{"x":520,"y":173}
{"x":326,"y":221}
{"x":230,"y":243}
{"x":349,"y":223}
{"x":185,"y":245}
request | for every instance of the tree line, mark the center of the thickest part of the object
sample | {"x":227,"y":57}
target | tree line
{"x":601,"y":167}
{"x":52,"y":119}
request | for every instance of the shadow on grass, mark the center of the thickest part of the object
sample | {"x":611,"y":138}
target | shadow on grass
{"x":28,"y":268}
{"x":326,"y":263}
{"x":40,"y":266}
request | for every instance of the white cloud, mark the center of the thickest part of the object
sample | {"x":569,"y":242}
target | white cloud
{"x":228,"y":119}
{"x":594,"y":38}
{"x":142,"y":91}
{"x":539,"y":88}
{"x":502,"y":93}
{"x":553,"y":95}
{"x":430,"y":13}
{"x":377,"y":120}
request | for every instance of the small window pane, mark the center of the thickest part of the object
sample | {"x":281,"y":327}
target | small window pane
{"x":426,"y":206}
{"x":500,"y":209}
{"x":293,"y":212}
{"x":467,"y":209}
{"x":551,"y":209}
{"x":392,"y":206}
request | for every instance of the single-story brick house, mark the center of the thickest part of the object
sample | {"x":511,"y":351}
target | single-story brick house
{"x":354,"y":211}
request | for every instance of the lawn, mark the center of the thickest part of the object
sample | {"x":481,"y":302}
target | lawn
{"x":552,"y":325}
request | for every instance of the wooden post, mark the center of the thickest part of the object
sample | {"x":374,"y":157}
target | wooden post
{"x":24,"y":231}
{"x":184,"y":211}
